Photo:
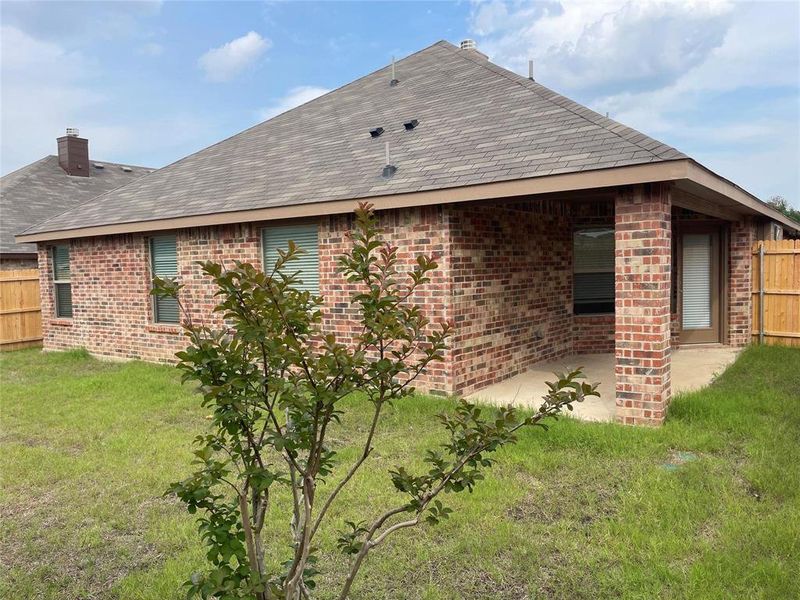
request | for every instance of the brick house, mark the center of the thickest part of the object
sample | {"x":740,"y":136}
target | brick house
{"x":558,"y":230}
{"x":50,"y":186}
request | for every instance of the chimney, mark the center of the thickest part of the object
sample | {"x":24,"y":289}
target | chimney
{"x":472,"y":47}
{"x":73,"y":153}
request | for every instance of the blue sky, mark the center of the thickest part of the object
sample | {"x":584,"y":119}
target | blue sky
{"x":149,"y":82}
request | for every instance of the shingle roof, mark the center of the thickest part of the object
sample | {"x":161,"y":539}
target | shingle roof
{"x":478,"y":123}
{"x":42,"y":190}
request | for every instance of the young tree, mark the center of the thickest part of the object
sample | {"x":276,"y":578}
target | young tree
{"x":274,"y":381}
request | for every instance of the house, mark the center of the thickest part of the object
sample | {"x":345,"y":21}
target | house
{"x":50,"y":186}
{"x":558,"y":230}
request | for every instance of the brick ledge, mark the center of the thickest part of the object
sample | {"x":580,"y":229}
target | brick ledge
{"x":60,"y":322}
{"x":169,"y":329}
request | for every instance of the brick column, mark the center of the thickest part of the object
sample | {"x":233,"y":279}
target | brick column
{"x":740,"y":262}
{"x":642,"y":279}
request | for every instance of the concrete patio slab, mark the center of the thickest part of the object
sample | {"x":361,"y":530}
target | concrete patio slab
{"x":692,"y":368}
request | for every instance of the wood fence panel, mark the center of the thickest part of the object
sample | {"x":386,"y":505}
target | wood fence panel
{"x":781,"y":292}
{"x":20,"y":309}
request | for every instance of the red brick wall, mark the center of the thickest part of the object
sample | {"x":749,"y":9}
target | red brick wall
{"x":512,"y":289}
{"x":643,"y":265}
{"x":504,"y":280}
{"x":742,"y":237}
{"x":112,"y":311}
{"x":110,"y":276}
{"x":415,"y":231}
{"x":593,"y":334}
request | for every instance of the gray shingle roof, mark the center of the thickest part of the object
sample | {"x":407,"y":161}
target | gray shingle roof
{"x":478,"y":123}
{"x":42,"y":190}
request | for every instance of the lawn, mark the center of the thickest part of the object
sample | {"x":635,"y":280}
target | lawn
{"x":707,"y":506}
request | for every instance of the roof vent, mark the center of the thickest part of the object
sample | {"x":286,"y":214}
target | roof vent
{"x":389,"y":169}
{"x":98,"y":165}
{"x":73,"y":132}
{"x":376,"y":132}
{"x":126,"y":169}
{"x":394,"y":81}
{"x":409,"y":125}
{"x":473,"y":48}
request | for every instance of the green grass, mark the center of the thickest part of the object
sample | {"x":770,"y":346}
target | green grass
{"x":585,"y":510}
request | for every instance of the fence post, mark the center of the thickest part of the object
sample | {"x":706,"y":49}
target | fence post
{"x":761,"y":293}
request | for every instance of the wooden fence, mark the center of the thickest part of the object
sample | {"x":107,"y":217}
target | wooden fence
{"x":776,"y":292}
{"x":20,"y":310}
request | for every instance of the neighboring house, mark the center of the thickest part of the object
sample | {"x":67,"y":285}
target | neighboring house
{"x":557,"y":230}
{"x":50,"y":186}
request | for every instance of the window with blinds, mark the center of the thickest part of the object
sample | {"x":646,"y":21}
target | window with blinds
{"x":593,"y":283}
{"x":164,"y":264}
{"x":305,"y":237}
{"x":61,"y":281}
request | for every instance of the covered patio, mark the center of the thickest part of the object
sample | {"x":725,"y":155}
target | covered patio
{"x":693,"y":367}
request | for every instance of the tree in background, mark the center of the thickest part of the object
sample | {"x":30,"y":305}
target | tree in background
{"x":780,"y":204}
{"x":275,"y":381}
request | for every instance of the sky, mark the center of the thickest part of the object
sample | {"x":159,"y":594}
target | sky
{"x":150,"y":82}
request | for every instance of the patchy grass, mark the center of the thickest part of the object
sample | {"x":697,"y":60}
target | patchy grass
{"x":707,"y":506}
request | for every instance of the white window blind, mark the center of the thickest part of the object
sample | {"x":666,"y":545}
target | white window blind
{"x":696,"y":281}
{"x":164,"y":263}
{"x":305,"y":237}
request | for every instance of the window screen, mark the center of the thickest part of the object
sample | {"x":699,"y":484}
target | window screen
{"x":305,"y":237}
{"x":164,"y":264}
{"x":593,"y":286}
{"x":61,"y":281}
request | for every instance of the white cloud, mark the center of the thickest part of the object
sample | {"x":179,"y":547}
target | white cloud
{"x":43,"y":92}
{"x":47,"y":88}
{"x":230,"y":59}
{"x":718,"y":80}
{"x":581,"y":45}
{"x":150,"y":49}
{"x":295,"y":97}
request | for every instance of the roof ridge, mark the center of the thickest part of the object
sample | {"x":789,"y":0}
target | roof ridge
{"x":579,"y":112}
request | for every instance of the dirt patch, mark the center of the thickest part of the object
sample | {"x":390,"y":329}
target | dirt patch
{"x":504,"y":583}
{"x":82,"y":560}
{"x":581,"y":499}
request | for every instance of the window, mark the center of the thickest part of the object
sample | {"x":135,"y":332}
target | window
{"x":164,"y":264}
{"x":593,"y":288}
{"x":306,"y":238}
{"x":61,"y":280}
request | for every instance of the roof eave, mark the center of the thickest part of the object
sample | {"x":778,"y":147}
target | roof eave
{"x":709,"y":179}
{"x":673,"y":170}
